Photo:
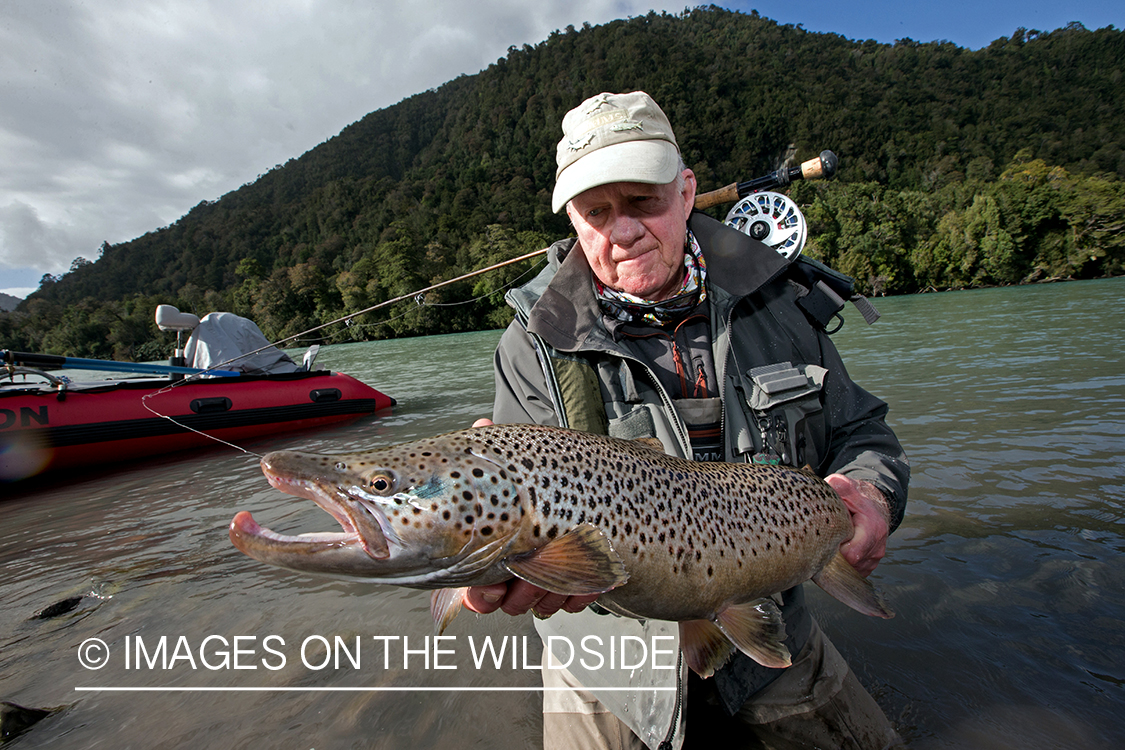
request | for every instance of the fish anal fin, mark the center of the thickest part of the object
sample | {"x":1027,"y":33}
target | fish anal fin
{"x":845,"y":583}
{"x":581,"y":561}
{"x":757,"y":629}
{"x":704,"y":645}
{"x":444,"y":606}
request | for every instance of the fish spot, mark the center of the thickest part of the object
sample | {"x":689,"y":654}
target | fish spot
{"x":552,"y":532}
{"x":486,"y":531}
{"x":478,"y":473}
{"x":445,"y":515}
{"x":469,"y":520}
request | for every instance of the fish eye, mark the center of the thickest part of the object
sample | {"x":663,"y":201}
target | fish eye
{"x":380,"y":483}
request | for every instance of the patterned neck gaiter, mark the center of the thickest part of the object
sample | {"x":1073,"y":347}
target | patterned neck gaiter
{"x":630,"y":308}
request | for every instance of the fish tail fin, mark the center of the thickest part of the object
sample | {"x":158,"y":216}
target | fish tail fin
{"x":757,"y":629}
{"x":444,"y":606}
{"x":845,"y":583}
{"x":704,"y":645}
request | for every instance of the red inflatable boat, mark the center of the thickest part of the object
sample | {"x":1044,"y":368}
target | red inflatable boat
{"x":52,"y":425}
{"x":238,"y":386}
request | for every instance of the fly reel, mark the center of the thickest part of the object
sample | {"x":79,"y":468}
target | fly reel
{"x":771,"y":218}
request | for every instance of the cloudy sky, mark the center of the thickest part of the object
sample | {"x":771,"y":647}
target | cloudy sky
{"x":118,"y":116}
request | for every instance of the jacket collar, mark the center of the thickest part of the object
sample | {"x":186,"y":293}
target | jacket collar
{"x":567,"y":315}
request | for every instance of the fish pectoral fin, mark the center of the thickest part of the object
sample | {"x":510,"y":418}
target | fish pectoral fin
{"x":845,"y":583}
{"x":704,"y":645}
{"x":444,"y":606}
{"x":757,"y":629}
{"x":581,"y":561}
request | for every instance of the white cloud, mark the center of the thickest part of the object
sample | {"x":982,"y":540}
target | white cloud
{"x":117,"y":118}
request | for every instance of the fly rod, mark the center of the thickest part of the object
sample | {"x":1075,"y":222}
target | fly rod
{"x":822,"y":167}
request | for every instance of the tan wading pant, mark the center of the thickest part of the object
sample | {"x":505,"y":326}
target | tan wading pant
{"x":816,"y":703}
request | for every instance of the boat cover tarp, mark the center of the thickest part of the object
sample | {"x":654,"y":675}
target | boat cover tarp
{"x":221,"y":337}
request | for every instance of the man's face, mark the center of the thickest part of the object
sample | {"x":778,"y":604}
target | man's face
{"x":633,"y":234}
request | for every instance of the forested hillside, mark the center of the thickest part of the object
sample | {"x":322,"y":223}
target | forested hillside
{"x":958,"y":168}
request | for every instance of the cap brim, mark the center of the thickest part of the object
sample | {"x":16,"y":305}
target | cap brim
{"x":654,"y":162}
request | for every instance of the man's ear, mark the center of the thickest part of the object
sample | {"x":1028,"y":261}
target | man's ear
{"x":690,"y":186}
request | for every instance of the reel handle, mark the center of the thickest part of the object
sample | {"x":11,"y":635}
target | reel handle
{"x":822,"y":167}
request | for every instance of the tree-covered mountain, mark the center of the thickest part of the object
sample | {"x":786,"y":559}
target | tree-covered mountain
{"x":958,"y":168}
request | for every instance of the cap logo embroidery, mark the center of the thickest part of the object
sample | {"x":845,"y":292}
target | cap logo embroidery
{"x":580,"y":143}
{"x":597,"y":104}
{"x":628,"y":125}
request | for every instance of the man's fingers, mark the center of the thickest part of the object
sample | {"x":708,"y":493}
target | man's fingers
{"x":485,"y":599}
{"x":870,"y":515}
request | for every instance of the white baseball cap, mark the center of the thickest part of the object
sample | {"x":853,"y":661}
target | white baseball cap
{"x":614,"y":138}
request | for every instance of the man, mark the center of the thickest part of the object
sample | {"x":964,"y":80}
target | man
{"x":657,"y":322}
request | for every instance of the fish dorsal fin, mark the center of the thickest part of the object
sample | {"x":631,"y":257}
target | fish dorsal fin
{"x":581,"y":561}
{"x":845,"y":583}
{"x":757,"y":629}
{"x":651,"y":442}
{"x":704,"y":645}
{"x":444,"y":606}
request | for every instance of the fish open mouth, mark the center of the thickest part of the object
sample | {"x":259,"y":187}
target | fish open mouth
{"x":246,"y":534}
{"x":360,"y":529}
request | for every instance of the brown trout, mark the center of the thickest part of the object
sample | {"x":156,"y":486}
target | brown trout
{"x":702,"y":544}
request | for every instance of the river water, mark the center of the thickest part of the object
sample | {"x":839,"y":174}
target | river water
{"x":1007,"y":575}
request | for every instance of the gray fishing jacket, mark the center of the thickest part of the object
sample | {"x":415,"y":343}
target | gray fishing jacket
{"x":784,"y":394}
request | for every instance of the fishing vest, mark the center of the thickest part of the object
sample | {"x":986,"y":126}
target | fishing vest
{"x":771,"y":412}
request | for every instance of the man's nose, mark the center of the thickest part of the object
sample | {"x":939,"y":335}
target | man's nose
{"x":626,"y":230}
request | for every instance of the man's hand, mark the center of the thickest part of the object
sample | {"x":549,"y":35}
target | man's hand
{"x":871,"y":517}
{"x":516,"y":597}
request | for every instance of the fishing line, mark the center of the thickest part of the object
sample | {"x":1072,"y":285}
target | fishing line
{"x":418,"y":296}
{"x":147,"y":396}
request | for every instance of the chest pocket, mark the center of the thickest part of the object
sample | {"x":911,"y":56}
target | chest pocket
{"x":785,"y":402}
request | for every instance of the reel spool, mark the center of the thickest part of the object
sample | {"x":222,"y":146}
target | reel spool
{"x":771,"y":218}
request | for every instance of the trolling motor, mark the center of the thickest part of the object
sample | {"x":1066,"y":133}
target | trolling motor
{"x":169,"y":318}
{"x":771,"y":218}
